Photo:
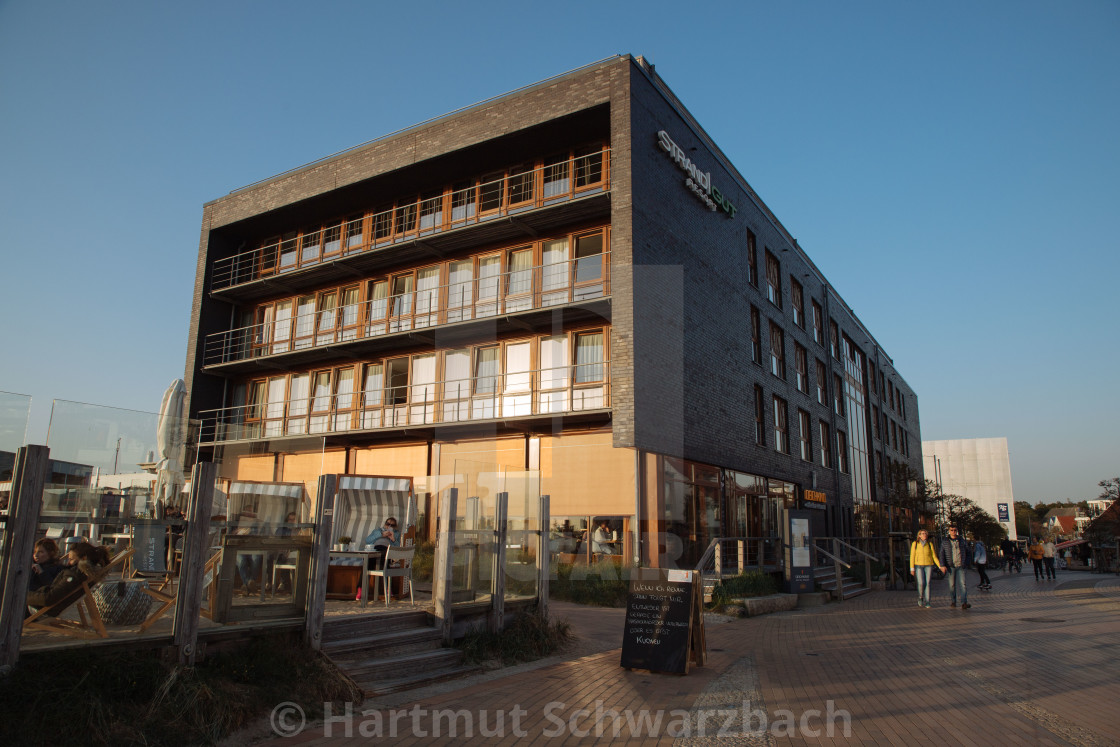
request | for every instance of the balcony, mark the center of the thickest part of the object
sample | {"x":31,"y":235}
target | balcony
{"x":577,"y":288}
{"x":581,"y":389}
{"x":519,"y":201}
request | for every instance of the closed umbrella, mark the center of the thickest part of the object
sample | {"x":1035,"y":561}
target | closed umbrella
{"x":171,"y":433}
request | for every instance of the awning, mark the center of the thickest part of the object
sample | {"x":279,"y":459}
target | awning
{"x":1069,"y":543}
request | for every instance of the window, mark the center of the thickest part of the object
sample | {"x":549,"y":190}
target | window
{"x":431,"y":211}
{"x":818,"y":323}
{"x":759,"y":416}
{"x":590,"y":369}
{"x":842,"y":451}
{"x":797,"y":300}
{"x":875,"y":419}
{"x":756,"y":336}
{"x":806,"y":433}
{"x":589,"y":270}
{"x":332,"y":240}
{"x":838,"y":394}
{"x":773,"y":280}
{"x":310,"y":245}
{"x":354,"y":232}
{"x":834,"y":338}
{"x":589,"y":167}
{"x":781,"y":425}
{"x":871,"y":377}
{"x":826,"y":445}
{"x":822,"y":382}
{"x":777,"y":351}
{"x":801,"y":361}
{"x":557,"y":180}
{"x":752,"y":260}
{"x":521,"y":184}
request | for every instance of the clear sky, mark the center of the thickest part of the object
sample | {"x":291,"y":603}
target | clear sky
{"x":952,"y":168}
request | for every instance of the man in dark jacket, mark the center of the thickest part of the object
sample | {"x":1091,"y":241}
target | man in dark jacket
{"x":956,"y":558}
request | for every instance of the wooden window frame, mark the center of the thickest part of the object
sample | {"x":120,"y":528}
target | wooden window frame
{"x":797,"y":301}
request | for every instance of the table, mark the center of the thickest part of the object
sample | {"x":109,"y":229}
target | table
{"x":360,"y":558}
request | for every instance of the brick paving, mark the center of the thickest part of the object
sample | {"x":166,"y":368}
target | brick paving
{"x":1034,"y":663}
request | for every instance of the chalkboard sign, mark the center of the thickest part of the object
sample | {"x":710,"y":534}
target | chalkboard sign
{"x":660,"y":611}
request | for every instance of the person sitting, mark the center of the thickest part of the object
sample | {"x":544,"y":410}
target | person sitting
{"x":601,"y":538}
{"x":83,"y":560}
{"x":382,"y":539}
{"x":44,"y":564}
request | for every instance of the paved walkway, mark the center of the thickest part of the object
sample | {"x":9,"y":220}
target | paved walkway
{"x":1034,"y":663}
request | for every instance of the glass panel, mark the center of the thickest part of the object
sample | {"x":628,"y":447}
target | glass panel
{"x":553,"y":374}
{"x":589,"y":265}
{"x":289,"y":251}
{"x":406,"y":218}
{"x":332,"y":239}
{"x":396,"y":389}
{"x":305,"y":321}
{"x":490,"y":192}
{"x":354,"y":235}
{"x":556,"y":178}
{"x":589,"y":167}
{"x":350,"y":309}
{"x":456,"y":387}
{"x":519,"y":280}
{"x":327,"y":318}
{"x":554,"y":272}
{"x":520,"y":184}
{"x":372,"y":396}
{"x":378,"y":306}
{"x":321,"y":401}
{"x":517,"y":397}
{"x":485,"y":382}
{"x":312,"y":244}
{"x":297,"y":404}
{"x":427,"y":297}
{"x":344,"y":399}
{"x":589,"y":357}
{"x":460,"y":290}
{"x":431,"y":211}
{"x":277,"y":391}
{"x":283,"y":334}
{"x":489,"y":269}
{"x":423,"y":389}
{"x":401,"y":303}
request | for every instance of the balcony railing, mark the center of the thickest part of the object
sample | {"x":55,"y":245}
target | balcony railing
{"x":531,"y":288}
{"x":513,"y":192}
{"x":548,"y":391}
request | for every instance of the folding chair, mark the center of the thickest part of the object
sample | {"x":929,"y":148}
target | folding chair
{"x":398,"y":563}
{"x":91,"y":625}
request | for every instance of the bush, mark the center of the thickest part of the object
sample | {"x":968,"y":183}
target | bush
{"x":85,"y":696}
{"x":424,"y":561}
{"x":529,"y":637}
{"x":857,"y":570}
{"x":751,"y":584}
{"x":603,"y":584}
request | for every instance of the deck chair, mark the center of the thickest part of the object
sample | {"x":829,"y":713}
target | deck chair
{"x":91,"y":624}
{"x":398,"y":563}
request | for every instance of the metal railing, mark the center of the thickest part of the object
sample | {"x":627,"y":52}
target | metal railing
{"x":563,"y":389}
{"x":514,"y":192}
{"x":842,"y":554}
{"x":731,"y":556}
{"x":527,"y":289}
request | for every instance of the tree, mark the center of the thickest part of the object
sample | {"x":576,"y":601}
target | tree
{"x":1110,"y":489}
{"x":973,"y":521}
{"x":901,"y":487}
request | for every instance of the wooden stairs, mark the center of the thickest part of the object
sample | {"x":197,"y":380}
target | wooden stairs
{"x":391,"y":652}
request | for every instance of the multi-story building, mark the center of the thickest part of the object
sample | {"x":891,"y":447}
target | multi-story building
{"x":572,"y":279}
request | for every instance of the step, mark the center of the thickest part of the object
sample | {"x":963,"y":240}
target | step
{"x":382,"y":644}
{"x":356,"y":626}
{"x":411,"y":682}
{"x":413,"y":663}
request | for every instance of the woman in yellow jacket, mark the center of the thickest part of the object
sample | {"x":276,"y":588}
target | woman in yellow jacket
{"x":923,"y":559}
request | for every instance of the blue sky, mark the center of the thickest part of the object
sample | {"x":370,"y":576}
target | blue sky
{"x":952,"y":169}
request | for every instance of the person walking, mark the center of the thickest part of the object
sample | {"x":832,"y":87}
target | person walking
{"x":922,"y":562}
{"x":955,"y":560}
{"x":1048,"y":559}
{"x":1036,"y":553}
{"x":980,"y":558}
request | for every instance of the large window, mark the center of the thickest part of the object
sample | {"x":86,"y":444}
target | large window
{"x":773,"y":280}
{"x":801,"y":361}
{"x":818,"y":323}
{"x":797,"y":300}
{"x":781,"y":425}
{"x":777,"y":351}
{"x":752,"y":260}
{"x":842,"y":450}
{"x":822,"y":382}
{"x":805,"y":430}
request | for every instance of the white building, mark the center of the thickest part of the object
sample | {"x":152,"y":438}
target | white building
{"x":978,"y":469}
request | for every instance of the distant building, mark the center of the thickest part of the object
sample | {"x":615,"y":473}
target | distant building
{"x":978,"y":469}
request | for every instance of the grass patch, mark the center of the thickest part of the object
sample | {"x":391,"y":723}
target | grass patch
{"x":751,"y":584}
{"x":86,"y":696}
{"x":424,"y":561}
{"x":603,"y":584}
{"x":529,"y":637}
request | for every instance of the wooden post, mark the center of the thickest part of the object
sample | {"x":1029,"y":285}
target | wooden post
{"x":320,"y":561}
{"x":196,"y":551}
{"x":498,"y":578}
{"x":544,"y":558}
{"x":28,"y":478}
{"x":441,"y":571}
